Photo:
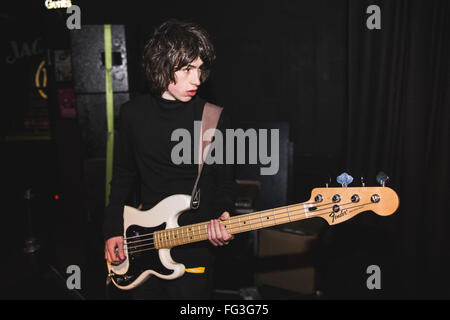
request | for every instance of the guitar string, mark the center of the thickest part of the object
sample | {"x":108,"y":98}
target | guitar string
{"x":259,"y":212}
{"x":205,"y":233}
{"x":153,"y":248}
{"x":255,"y":216}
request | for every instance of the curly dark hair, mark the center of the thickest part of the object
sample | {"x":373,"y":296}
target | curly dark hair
{"x":173,"y":45}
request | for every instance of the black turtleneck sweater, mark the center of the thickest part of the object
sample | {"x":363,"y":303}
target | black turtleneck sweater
{"x":143,"y":156}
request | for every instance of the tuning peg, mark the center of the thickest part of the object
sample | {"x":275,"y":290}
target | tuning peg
{"x":344,"y":179}
{"x":382,"y":178}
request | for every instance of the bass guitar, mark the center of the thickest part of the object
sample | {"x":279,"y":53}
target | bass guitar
{"x":149,"y":235}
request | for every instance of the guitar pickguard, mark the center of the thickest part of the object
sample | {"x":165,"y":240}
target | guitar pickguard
{"x":145,"y":257}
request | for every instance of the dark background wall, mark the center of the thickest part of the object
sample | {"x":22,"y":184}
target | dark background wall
{"x":354,"y":100}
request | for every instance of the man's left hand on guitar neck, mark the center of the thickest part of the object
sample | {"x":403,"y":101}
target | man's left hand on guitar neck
{"x":217,"y":233}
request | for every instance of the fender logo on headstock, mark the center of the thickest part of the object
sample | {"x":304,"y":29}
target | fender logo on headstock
{"x":340,"y":214}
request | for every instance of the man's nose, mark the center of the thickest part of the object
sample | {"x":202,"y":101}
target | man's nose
{"x":195,"y":77}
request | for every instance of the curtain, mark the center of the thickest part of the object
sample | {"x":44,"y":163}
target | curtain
{"x":398,"y":122}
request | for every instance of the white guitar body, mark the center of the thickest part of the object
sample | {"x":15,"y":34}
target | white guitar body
{"x":167,"y":211}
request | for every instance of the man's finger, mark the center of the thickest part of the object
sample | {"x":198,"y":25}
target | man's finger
{"x":212,"y":233}
{"x":223,"y":232}
{"x":108,"y":256}
{"x":218,"y":230}
{"x":120,"y":250}
{"x":112,"y":253}
{"x":225,"y":216}
{"x":226,"y":236}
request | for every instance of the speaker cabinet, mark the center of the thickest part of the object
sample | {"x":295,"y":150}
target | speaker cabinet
{"x":285,"y":261}
{"x":88,"y":59}
{"x":88,"y":67}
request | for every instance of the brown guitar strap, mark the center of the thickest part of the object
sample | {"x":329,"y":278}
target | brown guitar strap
{"x":210,"y":118}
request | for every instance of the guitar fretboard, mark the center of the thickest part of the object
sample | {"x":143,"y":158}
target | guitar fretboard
{"x":169,"y":238}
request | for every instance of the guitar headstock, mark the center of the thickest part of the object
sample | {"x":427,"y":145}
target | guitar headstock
{"x":340,"y":204}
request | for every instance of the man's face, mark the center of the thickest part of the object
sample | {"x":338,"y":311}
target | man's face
{"x":187,"y":81}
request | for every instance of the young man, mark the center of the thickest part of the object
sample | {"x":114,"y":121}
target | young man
{"x":177,"y":60}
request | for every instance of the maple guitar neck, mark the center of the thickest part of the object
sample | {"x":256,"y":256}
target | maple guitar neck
{"x":335,"y":205}
{"x":237,"y":224}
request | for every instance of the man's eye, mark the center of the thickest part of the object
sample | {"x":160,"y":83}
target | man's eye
{"x":186,"y":70}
